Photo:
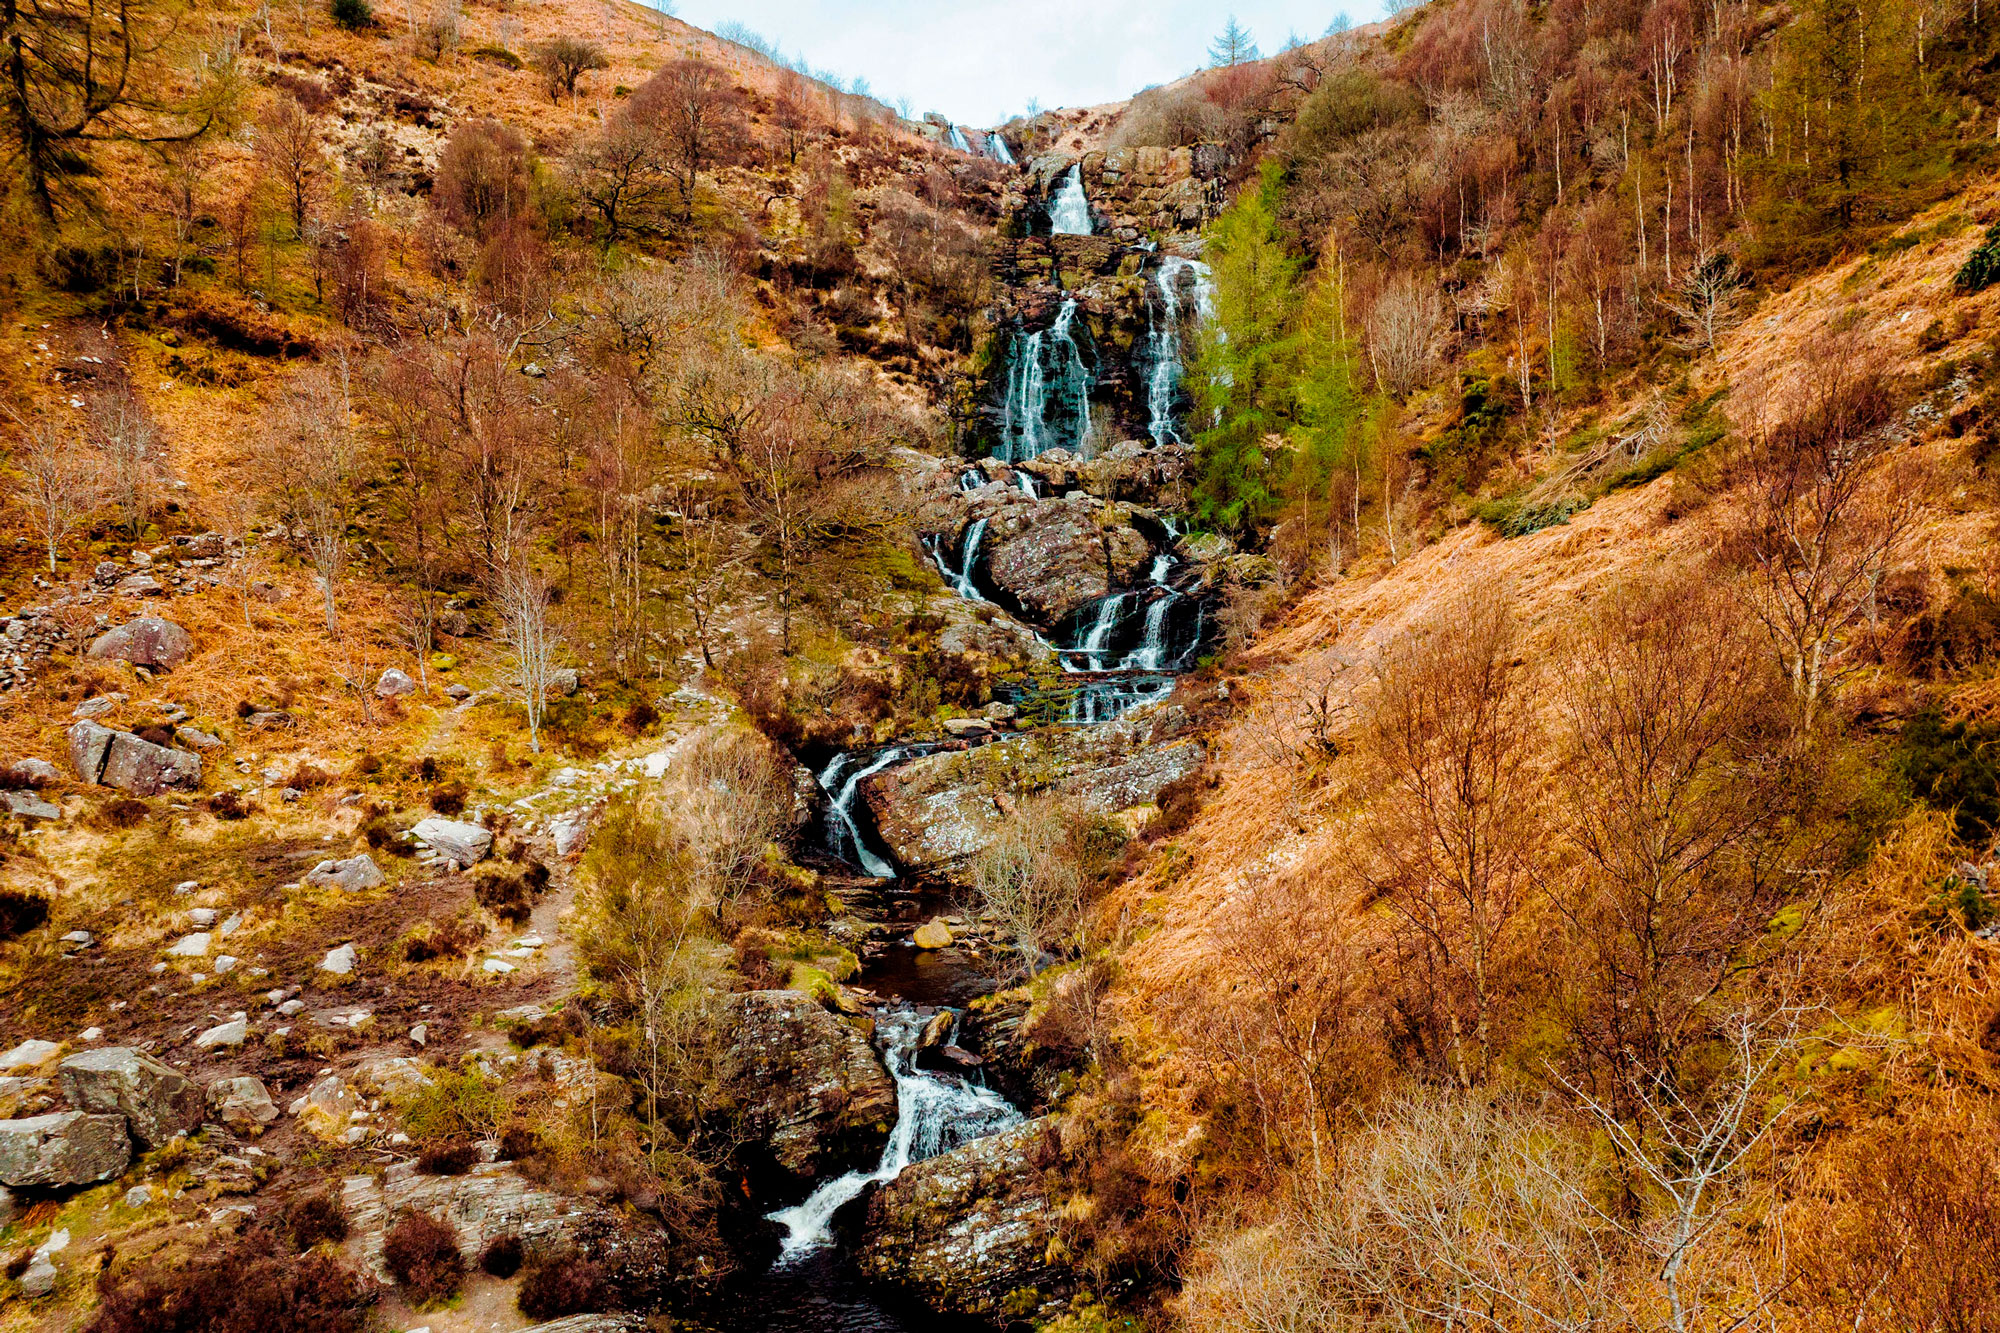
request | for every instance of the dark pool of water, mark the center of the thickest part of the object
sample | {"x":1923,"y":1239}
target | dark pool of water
{"x":823,"y":1294}
{"x":928,"y":976}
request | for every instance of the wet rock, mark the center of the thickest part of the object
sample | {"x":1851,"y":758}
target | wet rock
{"x":243,"y":1104}
{"x":63,"y":1149}
{"x":120,"y":759}
{"x":814,"y":1096}
{"x":461,"y":842}
{"x":157,"y":1100}
{"x":970,"y":1230}
{"x":1058,"y":556}
{"x":351,"y":875}
{"x":147,"y":641}
{"x":933,"y":934}
{"x":938,"y":811}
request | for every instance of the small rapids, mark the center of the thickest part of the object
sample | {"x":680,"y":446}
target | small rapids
{"x":1069,"y":215}
{"x":934,"y":1114}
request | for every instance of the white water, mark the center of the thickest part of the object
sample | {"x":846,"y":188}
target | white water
{"x":1027,"y":484}
{"x":997,"y":145}
{"x":958,"y":141}
{"x":968,"y":561}
{"x":1164,"y":341}
{"x":934,"y":1114}
{"x":1109,"y":612}
{"x":1046,"y":377}
{"x":844,"y":835}
{"x":1070,"y":214}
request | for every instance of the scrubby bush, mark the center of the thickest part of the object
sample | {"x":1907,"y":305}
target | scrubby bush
{"x":555,"y":1283}
{"x":314,"y":1219}
{"x":248,"y":1286}
{"x":448,"y":799}
{"x":227,"y":805}
{"x":421,"y":1253}
{"x":453,"y":1158}
{"x":21,"y":911}
{"x":428,"y":941}
{"x":124,"y":812}
{"x":504,"y":893}
{"x":502,"y":1257}
{"x":352,"y":15}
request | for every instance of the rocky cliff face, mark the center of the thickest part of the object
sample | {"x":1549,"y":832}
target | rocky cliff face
{"x":970,"y":1231}
{"x":813,"y":1095}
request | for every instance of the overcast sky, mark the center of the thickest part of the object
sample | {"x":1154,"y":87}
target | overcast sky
{"x":981,"y":61}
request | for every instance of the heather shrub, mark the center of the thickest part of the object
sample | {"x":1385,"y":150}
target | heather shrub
{"x":247,"y":1286}
{"x":421,"y":1253}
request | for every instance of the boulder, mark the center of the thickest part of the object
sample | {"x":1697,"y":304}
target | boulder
{"x":63,"y":1149}
{"x":98,"y":707}
{"x":192,"y":946}
{"x":199,"y":739}
{"x":233,"y":1033}
{"x":564,"y":681}
{"x":394,"y":682}
{"x":157,"y":1100}
{"x":970,"y":1230}
{"x":461,"y":842}
{"x":938,"y":811}
{"x":933,"y":934}
{"x":1059,"y":556}
{"x":28,"y":805}
{"x":27,"y":1055}
{"x":243,"y":1104}
{"x":120,"y":759}
{"x":147,"y":641}
{"x":32,"y":773}
{"x":340,"y":962}
{"x":352,"y":875}
{"x":814,"y":1096}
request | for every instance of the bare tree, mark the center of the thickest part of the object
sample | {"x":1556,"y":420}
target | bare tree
{"x":1403,"y":331}
{"x":129,"y":440}
{"x":622,"y":175}
{"x":62,"y":482}
{"x":316,"y":463}
{"x":561,"y":61}
{"x":1830,"y":505}
{"x":1454,"y":830}
{"x":698,"y":114}
{"x":522,"y":595}
{"x":289,"y":149}
{"x":1032,"y":881}
{"x":1706,"y":300}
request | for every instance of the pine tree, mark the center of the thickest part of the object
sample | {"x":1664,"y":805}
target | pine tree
{"x":1233,"y":47}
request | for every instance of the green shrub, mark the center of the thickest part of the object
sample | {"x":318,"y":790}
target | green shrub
{"x":1954,"y":766}
{"x":352,"y":15}
{"x":1982,"y":267}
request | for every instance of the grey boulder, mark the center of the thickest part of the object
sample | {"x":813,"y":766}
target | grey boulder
{"x":463,"y":843}
{"x":147,"y":641}
{"x":66,"y":1148}
{"x":352,"y":875}
{"x":120,"y":759}
{"x":394,"y":682}
{"x":156,"y":1100}
{"x":243,"y":1104}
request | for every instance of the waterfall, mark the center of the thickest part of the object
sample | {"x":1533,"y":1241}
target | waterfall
{"x":1163,"y":340}
{"x":843,"y":833}
{"x":968,"y":559}
{"x":1046,"y":377}
{"x":996,"y":144}
{"x":934,"y":1114}
{"x":1027,"y":484}
{"x":1070,"y":214}
{"x":1163,"y":564}
{"x":958,"y":140}
{"x":1109,"y":614}
{"x":971,"y":480}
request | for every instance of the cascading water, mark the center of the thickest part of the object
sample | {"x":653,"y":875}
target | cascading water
{"x":934,"y":1114}
{"x":996,"y":144}
{"x":1069,"y":212}
{"x":958,"y":141}
{"x":1047,"y":402}
{"x":1164,"y":341}
{"x":841,"y":780}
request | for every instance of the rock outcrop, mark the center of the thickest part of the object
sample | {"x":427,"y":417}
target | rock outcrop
{"x":147,"y":641}
{"x":937,"y":811}
{"x":813,"y":1095}
{"x":968,"y":1231}
{"x":157,"y":1100}
{"x":454,"y":839}
{"x":352,"y":875}
{"x":63,"y":1149}
{"x":120,"y":759}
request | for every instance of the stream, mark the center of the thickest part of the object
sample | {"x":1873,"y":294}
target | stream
{"x":1118,"y":653}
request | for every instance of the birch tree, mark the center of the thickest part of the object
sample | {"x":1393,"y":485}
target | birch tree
{"x":61,"y":483}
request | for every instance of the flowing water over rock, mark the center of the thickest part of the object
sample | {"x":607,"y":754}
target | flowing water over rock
{"x":841,"y":780}
{"x":1069,"y":213}
{"x":934,"y":1113}
{"x":1047,"y":400}
{"x":1164,"y":341}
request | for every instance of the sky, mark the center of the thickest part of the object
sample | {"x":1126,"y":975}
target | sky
{"x":980,"y":62}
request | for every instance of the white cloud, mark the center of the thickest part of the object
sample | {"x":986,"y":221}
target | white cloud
{"x":980,"y":61}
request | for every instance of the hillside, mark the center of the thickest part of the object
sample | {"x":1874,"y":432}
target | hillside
{"x":641,"y":695}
